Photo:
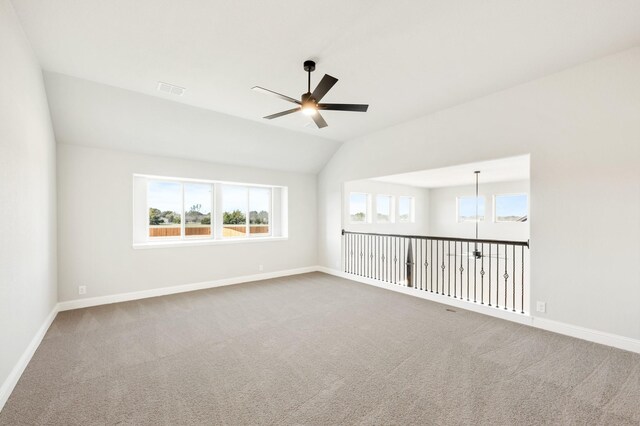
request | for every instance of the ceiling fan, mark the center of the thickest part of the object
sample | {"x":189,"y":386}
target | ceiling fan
{"x":309,"y":102}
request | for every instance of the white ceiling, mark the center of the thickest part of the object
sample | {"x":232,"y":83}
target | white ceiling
{"x":406,"y":58}
{"x":92,"y":114}
{"x":501,"y":170}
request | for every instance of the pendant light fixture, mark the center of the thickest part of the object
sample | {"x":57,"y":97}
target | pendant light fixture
{"x":477,"y":253}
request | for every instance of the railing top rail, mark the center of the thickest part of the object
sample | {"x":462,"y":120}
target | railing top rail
{"x":428,"y":237}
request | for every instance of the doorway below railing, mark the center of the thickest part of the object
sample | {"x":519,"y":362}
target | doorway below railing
{"x":487,"y":272}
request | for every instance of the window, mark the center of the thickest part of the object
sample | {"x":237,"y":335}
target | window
{"x":240,"y":202}
{"x":259,"y":207}
{"x":170,"y":210}
{"x":358,"y":207}
{"x":198,"y":200}
{"x":235,"y":201}
{"x":384,"y":208}
{"x":165,"y":211}
{"x":406,"y":211}
{"x":466,"y":207}
{"x":510,"y":208}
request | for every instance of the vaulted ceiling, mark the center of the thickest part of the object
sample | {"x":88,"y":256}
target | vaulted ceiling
{"x":406,"y":58}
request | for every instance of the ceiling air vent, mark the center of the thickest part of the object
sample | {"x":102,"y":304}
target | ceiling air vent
{"x":170,"y":88}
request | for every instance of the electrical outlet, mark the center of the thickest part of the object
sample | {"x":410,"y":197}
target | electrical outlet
{"x":261,"y":268}
{"x":82,"y":289}
{"x":541,"y":307}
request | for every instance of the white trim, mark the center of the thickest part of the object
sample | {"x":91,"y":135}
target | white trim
{"x":482,"y":309}
{"x":204,"y":242}
{"x":510,"y":194}
{"x":163,"y":291}
{"x":18,"y":369}
{"x":601,"y":337}
{"x":616,"y":341}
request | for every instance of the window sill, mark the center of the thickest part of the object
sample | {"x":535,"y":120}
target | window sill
{"x":190,"y":243}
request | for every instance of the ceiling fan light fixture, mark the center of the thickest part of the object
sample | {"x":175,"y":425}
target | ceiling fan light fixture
{"x":309,"y":102}
{"x":309,"y":109}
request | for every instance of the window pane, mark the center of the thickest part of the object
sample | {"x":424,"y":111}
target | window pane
{"x":234,"y":211}
{"x":405,"y":209}
{"x":467,"y":209}
{"x":358,"y":207}
{"x":383,"y":208}
{"x":511,"y":208}
{"x":259,"y":207}
{"x":197,"y":210}
{"x":164,"y":200}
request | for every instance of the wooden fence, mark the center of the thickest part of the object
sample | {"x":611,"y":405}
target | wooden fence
{"x":228,"y":230}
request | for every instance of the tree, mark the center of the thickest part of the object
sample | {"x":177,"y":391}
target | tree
{"x":206,"y":220}
{"x":155,"y":216}
{"x":261,"y":218}
{"x":195,"y":208}
{"x":236,"y":217}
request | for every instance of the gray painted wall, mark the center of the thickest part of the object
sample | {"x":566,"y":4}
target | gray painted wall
{"x":582,"y":130}
{"x":95,"y":206}
{"x":27,"y":196}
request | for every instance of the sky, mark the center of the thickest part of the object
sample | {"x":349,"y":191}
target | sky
{"x":357,"y":203}
{"x":511,"y":205}
{"x":383,"y":205}
{"x":467,"y":207}
{"x":167,"y":196}
{"x":506,"y":205}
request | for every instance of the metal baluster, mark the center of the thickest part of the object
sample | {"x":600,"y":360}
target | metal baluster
{"x":513,"y":280}
{"x":497,"y":274}
{"x":449,"y":268}
{"x":461,"y":270}
{"x":482,"y":274}
{"x":431,"y":261}
{"x":455,"y":258}
{"x":489,"y":298}
{"x":468,"y":271}
{"x":522,"y":283}
{"x":506,"y":275}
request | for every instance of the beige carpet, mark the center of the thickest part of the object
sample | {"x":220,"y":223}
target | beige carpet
{"x":315,"y":349}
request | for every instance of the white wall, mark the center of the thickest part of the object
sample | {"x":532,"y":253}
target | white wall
{"x":95,"y":225}
{"x":27,"y":197}
{"x":372,"y":187}
{"x":442,"y":212}
{"x":582,"y":130}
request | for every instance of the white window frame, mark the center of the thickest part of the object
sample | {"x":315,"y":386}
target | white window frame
{"x":391,"y":208}
{"x":484,"y":216}
{"x":215,"y":236}
{"x":412,"y":209}
{"x":367,"y":213}
{"x":248,"y":211}
{"x":511,"y":194}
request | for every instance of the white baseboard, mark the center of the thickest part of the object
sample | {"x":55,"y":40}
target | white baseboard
{"x":462,"y":304}
{"x":603,"y":338}
{"x":163,"y":291}
{"x":600,"y":337}
{"x":617,"y":341}
{"x":18,"y":369}
{"x":11,"y":381}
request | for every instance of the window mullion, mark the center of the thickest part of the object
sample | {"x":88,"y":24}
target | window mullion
{"x":183,"y":217}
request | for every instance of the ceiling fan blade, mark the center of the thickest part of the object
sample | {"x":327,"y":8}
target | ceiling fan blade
{"x":323,"y":87}
{"x":279,"y":95}
{"x":344,"y":107}
{"x":280,"y":114}
{"x":317,"y":118}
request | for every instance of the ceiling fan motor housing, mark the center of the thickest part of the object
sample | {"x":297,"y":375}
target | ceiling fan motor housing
{"x":309,"y":66}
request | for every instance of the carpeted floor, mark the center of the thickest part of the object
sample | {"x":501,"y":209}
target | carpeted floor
{"x":315,"y":349}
